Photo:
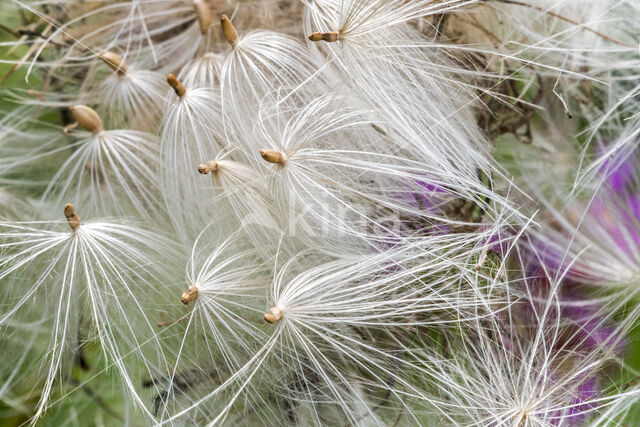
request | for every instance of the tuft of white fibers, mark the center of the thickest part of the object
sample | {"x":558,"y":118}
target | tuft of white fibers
{"x":241,"y":192}
{"x":85,"y":280}
{"x":131,"y":94}
{"x":334,"y":173}
{"x":202,"y":72}
{"x":191,"y":134}
{"x":224,"y":288}
{"x":397,"y":72}
{"x":336,"y":331}
{"x":258,"y":67}
{"x":543,"y":361}
{"x":118,"y":165}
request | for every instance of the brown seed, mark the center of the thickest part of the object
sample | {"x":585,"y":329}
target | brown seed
{"x":114,"y":61}
{"x":72,"y":218}
{"x":190,"y":295}
{"x":203,"y":13}
{"x":229,"y":30}
{"x":272,"y":156}
{"x":87,"y":118}
{"x":273,"y":315}
{"x":210,"y":166}
{"x":176,"y":85}
{"x":331,"y":36}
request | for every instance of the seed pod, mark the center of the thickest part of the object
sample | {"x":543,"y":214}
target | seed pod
{"x":229,"y":30}
{"x":87,"y":118}
{"x":114,"y":61}
{"x":203,"y":13}
{"x":272,"y":156}
{"x":72,"y":218}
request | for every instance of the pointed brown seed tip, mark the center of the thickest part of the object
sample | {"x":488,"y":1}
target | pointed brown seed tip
{"x":331,"y":36}
{"x":273,"y":315}
{"x":210,"y":166}
{"x":87,"y":118}
{"x":114,"y":61}
{"x":72,"y":218}
{"x":229,"y":30}
{"x":176,"y":85}
{"x":272,"y":156}
{"x":190,"y":295}
{"x":203,"y":14}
